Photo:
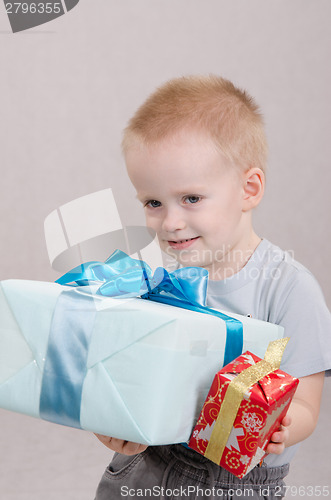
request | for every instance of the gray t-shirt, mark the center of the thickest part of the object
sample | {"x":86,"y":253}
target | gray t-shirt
{"x":273,"y":287}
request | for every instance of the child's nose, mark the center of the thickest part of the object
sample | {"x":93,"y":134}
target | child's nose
{"x":173,"y":221}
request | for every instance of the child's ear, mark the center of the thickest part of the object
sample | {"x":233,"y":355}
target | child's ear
{"x":253,"y":188}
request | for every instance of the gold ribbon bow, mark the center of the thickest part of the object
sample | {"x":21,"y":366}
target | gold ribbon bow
{"x":235,"y":393}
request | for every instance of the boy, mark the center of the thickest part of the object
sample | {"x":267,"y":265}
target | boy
{"x":196,"y":153}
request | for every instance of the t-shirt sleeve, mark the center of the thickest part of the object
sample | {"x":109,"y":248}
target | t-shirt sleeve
{"x":303,"y":313}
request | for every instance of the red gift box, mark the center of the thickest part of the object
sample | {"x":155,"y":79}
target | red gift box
{"x":241,"y":412}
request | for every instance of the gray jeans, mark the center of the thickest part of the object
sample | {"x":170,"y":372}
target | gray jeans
{"x":172,"y":472}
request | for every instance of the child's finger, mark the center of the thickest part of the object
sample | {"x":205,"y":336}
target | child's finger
{"x":130,"y":448}
{"x":116,"y":444}
{"x":112,"y":443}
{"x":287,"y":420}
{"x":121,"y":446}
{"x":277,"y":437}
{"x":104,"y":439}
{"x":277,"y":441}
{"x":275,"y":448}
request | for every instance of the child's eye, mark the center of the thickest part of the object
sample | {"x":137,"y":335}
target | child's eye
{"x":193,"y":199}
{"x":152,"y":204}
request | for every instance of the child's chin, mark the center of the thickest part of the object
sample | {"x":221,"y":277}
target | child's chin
{"x":186,"y":260}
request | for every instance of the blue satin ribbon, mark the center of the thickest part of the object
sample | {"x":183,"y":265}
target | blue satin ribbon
{"x":66,"y":359}
{"x":123,"y":277}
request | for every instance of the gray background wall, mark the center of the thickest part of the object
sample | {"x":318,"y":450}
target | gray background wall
{"x":67,"y":89}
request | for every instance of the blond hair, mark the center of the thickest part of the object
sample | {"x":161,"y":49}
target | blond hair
{"x":209,"y":104}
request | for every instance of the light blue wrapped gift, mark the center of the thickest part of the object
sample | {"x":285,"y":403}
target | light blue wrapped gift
{"x":133,"y":358}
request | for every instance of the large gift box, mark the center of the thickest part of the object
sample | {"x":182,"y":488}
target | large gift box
{"x":246,"y":403}
{"x":128,"y":365}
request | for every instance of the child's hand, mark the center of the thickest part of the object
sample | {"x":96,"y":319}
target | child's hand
{"x":279,"y":438}
{"x":120,"y":446}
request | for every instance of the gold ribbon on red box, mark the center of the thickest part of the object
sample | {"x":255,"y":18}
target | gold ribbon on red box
{"x":235,"y":393}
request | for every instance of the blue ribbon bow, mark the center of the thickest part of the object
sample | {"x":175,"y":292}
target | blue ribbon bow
{"x":123,"y":277}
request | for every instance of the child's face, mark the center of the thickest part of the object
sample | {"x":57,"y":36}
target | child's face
{"x":190,"y":193}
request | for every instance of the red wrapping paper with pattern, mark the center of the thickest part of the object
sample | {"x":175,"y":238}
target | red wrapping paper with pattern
{"x":262,"y":408}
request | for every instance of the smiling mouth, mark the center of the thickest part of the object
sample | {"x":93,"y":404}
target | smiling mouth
{"x":183,"y":241}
